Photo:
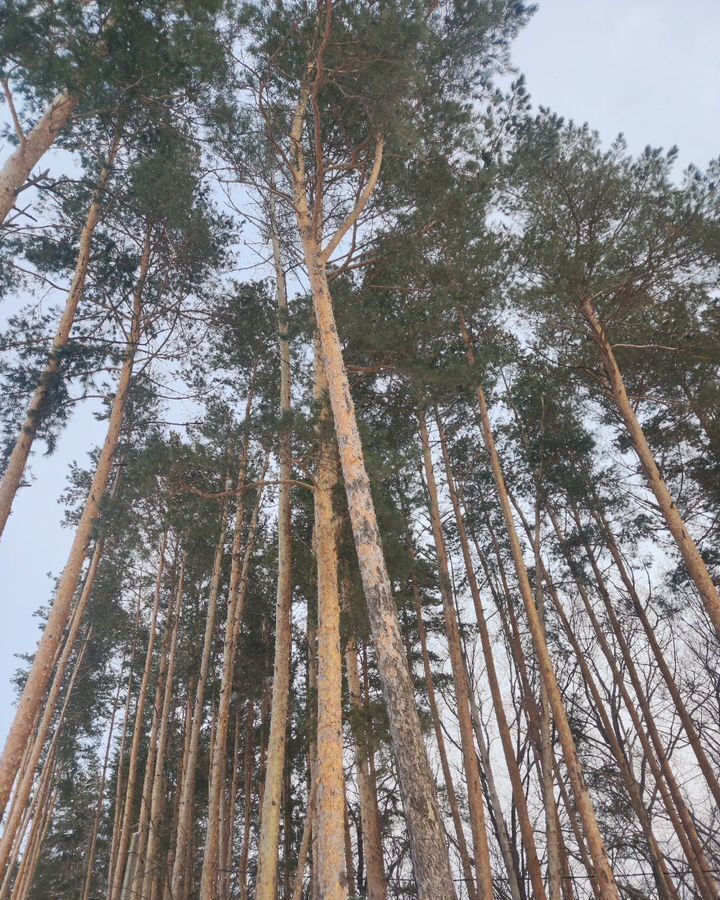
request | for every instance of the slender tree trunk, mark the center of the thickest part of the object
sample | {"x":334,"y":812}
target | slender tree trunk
{"x":237,"y":592}
{"x":41,"y":669}
{"x":17,"y":167}
{"x":330,"y":790}
{"x":554,"y":871}
{"x":27,"y":775}
{"x":519,"y":799}
{"x":688,"y":724}
{"x":512,"y":869}
{"x":187,"y":795}
{"x":660,"y":767}
{"x":183,"y":767}
{"x":442,"y":751}
{"x":665,"y":886}
{"x":596,"y":846}
{"x":229,"y":835}
{"x":92,"y":845}
{"x":117,"y":877}
{"x":304,"y":844}
{"x":462,"y":689}
{"x":266,"y":888}
{"x":422,"y":811}
{"x":156,"y":796}
{"x":697,"y":569}
{"x":702,"y":871}
{"x":369,"y":813}
{"x":17,"y":461}
{"x":248,"y":766}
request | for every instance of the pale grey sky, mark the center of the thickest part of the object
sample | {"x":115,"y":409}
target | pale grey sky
{"x":648,"y":68}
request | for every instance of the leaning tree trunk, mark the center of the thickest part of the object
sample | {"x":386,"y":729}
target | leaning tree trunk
{"x":32,"y":148}
{"x":41,"y":669}
{"x":697,"y":569}
{"x":476,"y":809}
{"x":328,"y":774}
{"x":704,"y":763}
{"x":606,"y":885}
{"x":15,"y":469}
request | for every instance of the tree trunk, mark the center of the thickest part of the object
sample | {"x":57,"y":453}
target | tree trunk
{"x":369,"y":813}
{"x":156,"y":796}
{"x":187,"y":795}
{"x":430,"y":857}
{"x":330,"y":789}
{"x":116,"y":877}
{"x":17,"y":168}
{"x":694,"y":562}
{"x":606,"y":881}
{"x":266,"y":888}
{"x":442,"y":751}
{"x":519,"y":799}
{"x":248,"y":766}
{"x":237,"y":592}
{"x":462,"y":689}
{"x":690,"y":730}
{"x":17,"y":461}
{"x":41,"y":669}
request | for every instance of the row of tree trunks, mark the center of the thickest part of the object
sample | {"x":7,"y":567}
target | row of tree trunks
{"x":483,"y":870}
{"x":48,"y":647}
{"x":606,"y":880}
{"x":17,"y":461}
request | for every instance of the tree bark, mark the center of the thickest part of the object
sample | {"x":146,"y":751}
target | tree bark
{"x":442,"y":750}
{"x":519,"y":799}
{"x":369,"y":813}
{"x":266,"y":888}
{"x":430,"y":856}
{"x":329,"y":775}
{"x":18,"y":166}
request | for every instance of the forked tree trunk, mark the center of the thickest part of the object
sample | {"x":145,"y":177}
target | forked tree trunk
{"x":41,"y":669}
{"x":119,"y":860}
{"x":695,"y":564}
{"x":329,"y":776}
{"x":606,"y":885}
{"x":17,"y":168}
{"x":17,"y":461}
{"x":476,"y":808}
{"x":266,"y":888}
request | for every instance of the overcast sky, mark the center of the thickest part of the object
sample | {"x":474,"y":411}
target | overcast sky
{"x":647,"y":68}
